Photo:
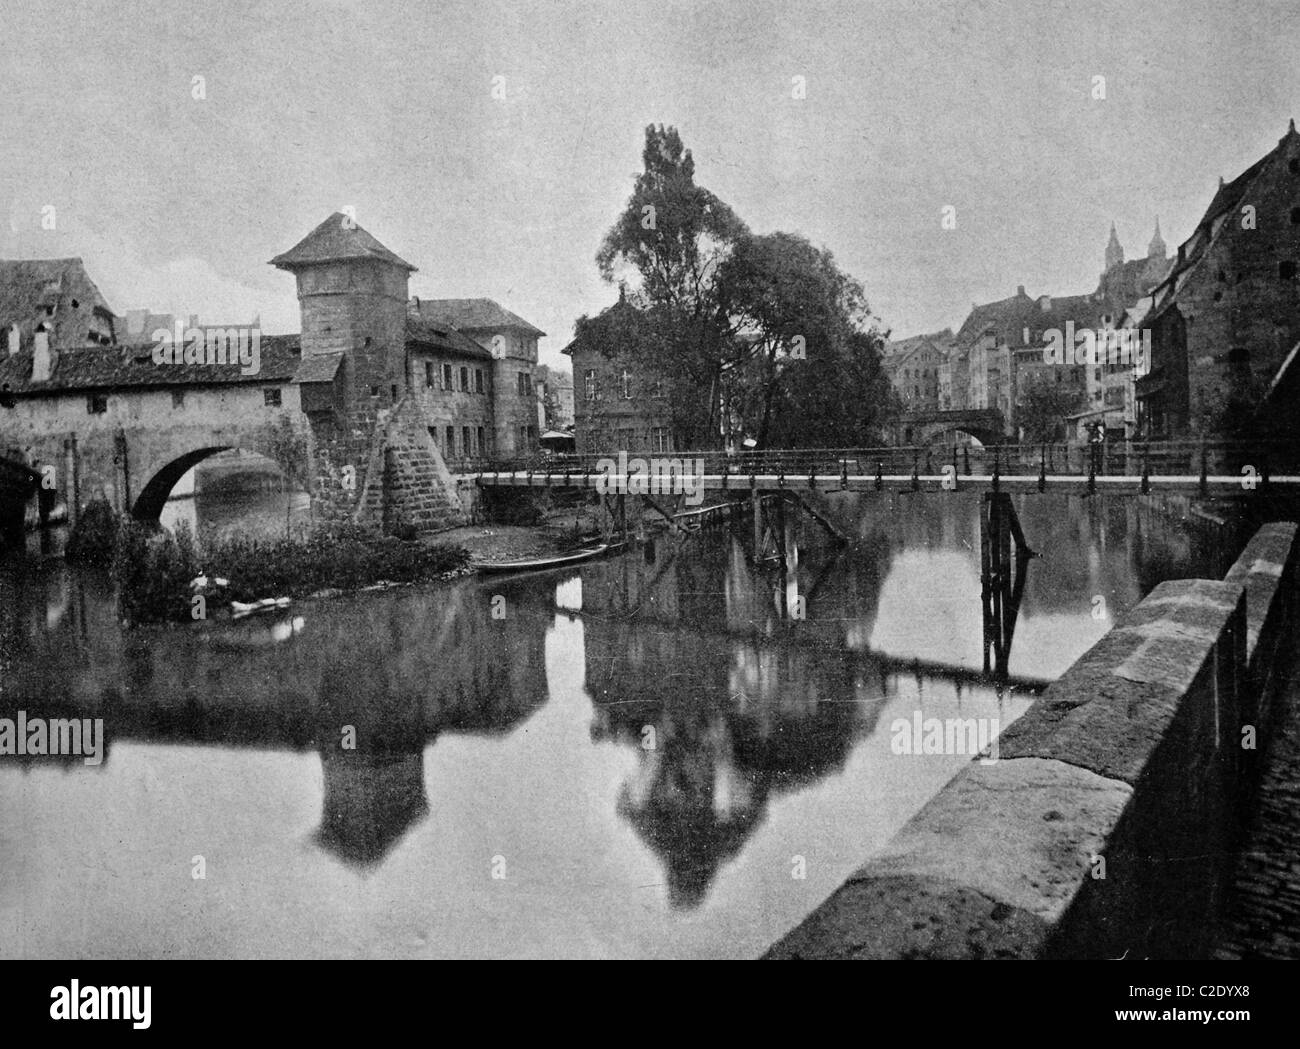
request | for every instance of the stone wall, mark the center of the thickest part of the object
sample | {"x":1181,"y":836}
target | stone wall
{"x":1105,"y":826}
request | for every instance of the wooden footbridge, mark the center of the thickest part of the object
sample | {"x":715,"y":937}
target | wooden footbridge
{"x":1131,"y":468}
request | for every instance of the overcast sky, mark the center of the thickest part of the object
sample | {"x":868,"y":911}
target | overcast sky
{"x":177,"y":203}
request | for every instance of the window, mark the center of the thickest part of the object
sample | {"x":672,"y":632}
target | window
{"x":523,"y":384}
{"x":96,"y":404}
{"x":1286,"y":270}
{"x":659,"y":439}
{"x":446,"y":376}
{"x":626,"y":379}
{"x":433,"y":433}
{"x":482,"y":448}
{"x":466,"y":444}
{"x":1294,"y":167}
{"x":464,"y":380}
{"x":523,"y":437}
{"x":451,"y":442}
{"x":178,"y":398}
{"x":478,"y":381}
{"x":428,"y":375}
{"x":374,"y":391}
{"x":624,"y":440}
{"x":589,"y":383}
{"x":271,"y":397}
{"x":391,"y":389}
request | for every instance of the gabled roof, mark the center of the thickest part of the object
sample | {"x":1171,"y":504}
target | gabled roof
{"x":616,"y":329}
{"x":444,"y":338}
{"x":1006,"y":317}
{"x":335,"y":239}
{"x":132,"y":367}
{"x":28,"y":285}
{"x":1194,"y":249}
{"x":474,"y":315}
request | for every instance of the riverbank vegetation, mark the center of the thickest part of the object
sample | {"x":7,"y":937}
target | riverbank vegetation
{"x":159,"y":574}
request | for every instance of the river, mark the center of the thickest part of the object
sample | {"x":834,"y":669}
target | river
{"x":648,"y":756}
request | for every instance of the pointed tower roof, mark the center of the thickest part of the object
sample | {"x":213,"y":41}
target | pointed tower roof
{"x":337,"y":238}
{"x":1114,"y":252}
{"x":1157,"y":249}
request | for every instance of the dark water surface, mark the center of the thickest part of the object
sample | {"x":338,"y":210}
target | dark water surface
{"x":638,"y":760}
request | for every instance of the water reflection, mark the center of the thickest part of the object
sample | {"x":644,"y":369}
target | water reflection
{"x":647,"y":741}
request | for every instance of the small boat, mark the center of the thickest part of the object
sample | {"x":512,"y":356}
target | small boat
{"x":267,"y":604}
{"x":535,"y":564}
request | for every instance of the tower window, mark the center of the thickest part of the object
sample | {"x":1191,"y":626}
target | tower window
{"x":428,"y":374}
{"x":1286,"y":270}
{"x":1295,"y":216}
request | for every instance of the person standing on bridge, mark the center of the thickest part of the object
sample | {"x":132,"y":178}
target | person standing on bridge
{"x":1097,"y":445}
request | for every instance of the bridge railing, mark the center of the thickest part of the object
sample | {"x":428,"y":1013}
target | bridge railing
{"x":1110,"y":458}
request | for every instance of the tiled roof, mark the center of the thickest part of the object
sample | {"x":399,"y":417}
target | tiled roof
{"x":1207,"y":231}
{"x":444,"y":338}
{"x":1006,"y":317}
{"x":42,"y":291}
{"x":338,"y":237}
{"x":474,"y":315}
{"x":132,"y":367}
{"x":319,"y":367}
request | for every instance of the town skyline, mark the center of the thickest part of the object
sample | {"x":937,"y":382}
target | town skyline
{"x":507,"y":197}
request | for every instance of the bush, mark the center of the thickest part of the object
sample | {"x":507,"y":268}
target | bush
{"x":154,"y":573}
{"x":94,"y":536}
{"x":152,"y":569}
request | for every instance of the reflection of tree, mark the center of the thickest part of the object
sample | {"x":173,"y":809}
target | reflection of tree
{"x":756,"y":719}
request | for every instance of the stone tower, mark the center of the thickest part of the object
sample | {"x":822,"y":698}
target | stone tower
{"x":1114,"y":253}
{"x":372,"y":460}
{"x":352,"y":291}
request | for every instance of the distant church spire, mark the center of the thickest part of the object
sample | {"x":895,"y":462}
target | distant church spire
{"x":1114,"y":253}
{"x":1157,"y":248}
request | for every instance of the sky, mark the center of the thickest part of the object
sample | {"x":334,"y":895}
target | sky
{"x":177,"y":202}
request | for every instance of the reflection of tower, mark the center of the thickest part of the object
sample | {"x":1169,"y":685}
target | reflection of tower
{"x":371,"y":800}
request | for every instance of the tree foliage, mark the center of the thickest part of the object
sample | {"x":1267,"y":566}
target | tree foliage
{"x":1042,"y":410}
{"x":761,"y":334}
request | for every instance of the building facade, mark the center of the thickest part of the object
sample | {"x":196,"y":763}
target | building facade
{"x":620,"y":404}
{"x":1225,"y":322}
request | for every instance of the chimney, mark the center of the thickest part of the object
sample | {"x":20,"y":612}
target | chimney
{"x":1045,"y":303}
{"x":14,"y":339}
{"x":41,"y":363}
{"x":1020,"y":290}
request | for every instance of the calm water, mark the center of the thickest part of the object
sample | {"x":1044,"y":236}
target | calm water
{"x":644,"y":751}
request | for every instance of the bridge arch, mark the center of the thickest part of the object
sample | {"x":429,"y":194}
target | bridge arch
{"x":946,"y":436}
{"x":161,"y":476}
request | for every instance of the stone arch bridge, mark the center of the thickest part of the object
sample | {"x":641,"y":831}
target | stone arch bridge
{"x":986,"y":425}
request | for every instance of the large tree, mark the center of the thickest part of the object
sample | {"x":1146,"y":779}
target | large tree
{"x":804,"y":344}
{"x":670,"y":238}
{"x":764,"y":327}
